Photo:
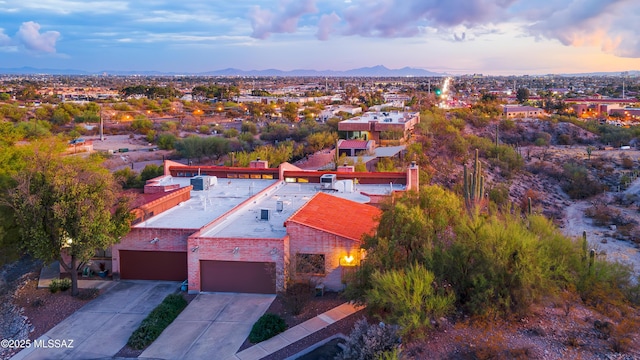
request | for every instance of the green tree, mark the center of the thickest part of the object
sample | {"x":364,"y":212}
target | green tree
{"x":411,"y":295}
{"x":290,"y":111}
{"x":522,"y":95}
{"x":63,"y":207}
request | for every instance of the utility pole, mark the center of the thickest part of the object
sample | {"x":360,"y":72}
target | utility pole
{"x":101,"y":126}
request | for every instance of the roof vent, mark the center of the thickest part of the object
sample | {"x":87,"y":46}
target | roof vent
{"x":265,"y":214}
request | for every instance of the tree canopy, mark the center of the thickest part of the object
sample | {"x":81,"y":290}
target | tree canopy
{"x":66,"y":208}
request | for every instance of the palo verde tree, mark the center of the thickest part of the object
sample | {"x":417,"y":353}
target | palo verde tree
{"x":66,"y":208}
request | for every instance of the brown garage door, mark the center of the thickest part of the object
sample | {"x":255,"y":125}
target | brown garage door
{"x":153,"y":265}
{"x":238,"y":276}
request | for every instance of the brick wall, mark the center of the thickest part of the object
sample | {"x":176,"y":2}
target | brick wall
{"x":306,"y":240}
{"x":164,"y":203}
{"x":249,"y":249}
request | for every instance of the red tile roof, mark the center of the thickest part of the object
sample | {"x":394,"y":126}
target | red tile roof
{"x":353,"y":144}
{"x":338,"y":216}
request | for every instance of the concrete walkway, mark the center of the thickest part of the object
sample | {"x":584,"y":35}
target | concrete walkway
{"x":102,"y":327}
{"x":52,"y":271}
{"x":213,"y":326}
{"x":296,"y":333}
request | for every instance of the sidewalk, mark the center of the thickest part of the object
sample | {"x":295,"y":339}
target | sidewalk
{"x":52,"y":271}
{"x":296,"y":333}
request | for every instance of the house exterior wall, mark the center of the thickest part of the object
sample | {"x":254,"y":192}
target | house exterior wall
{"x":165,"y":203}
{"x":249,"y":249}
{"x":139,"y":239}
{"x":307,"y":240}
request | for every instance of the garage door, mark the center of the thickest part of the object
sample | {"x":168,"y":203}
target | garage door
{"x":153,"y":265}
{"x":238,"y":276}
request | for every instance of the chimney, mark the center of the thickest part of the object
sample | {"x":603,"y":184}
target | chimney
{"x":259,"y":164}
{"x":346,"y":168}
{"x":413,"y":177}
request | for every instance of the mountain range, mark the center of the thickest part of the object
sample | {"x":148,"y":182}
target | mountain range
{"x":375,"y":71}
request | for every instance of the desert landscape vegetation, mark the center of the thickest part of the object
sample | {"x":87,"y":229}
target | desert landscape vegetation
{"x":540,"y":261}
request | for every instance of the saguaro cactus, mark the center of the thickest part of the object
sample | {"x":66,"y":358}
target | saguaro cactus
{"x":473,"y":184}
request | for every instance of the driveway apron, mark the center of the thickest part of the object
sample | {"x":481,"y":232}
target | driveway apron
{"x":102,"y":327}
{"x":213,"y":326}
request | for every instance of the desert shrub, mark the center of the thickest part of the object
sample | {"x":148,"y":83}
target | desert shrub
{"x":296,"y":296}
{"x":605,"y":285}
{"x":167,"y":141}
{"x":627,"y":163}
{"x":602,"y":215}
{"x":268,"y":326}
{"x":88,"y":294}
{"x":410,"y":297}
{"x":367,"y":341}
{"x":59,"y":285}
{"x":622,"y":335}
{"x":578,"y":184}
{"x":157,"y":320}
{"x":499,"y":194}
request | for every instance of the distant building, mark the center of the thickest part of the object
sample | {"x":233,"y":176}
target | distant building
{"x":379,"y":126}
{"x":517,"y":111}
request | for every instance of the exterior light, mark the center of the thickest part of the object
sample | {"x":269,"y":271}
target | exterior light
{"x":154,"y":240}
{"x":236,"y":250}
{"x":195,"y":248}
{"x":273,"y":251}
{"x":347,"y":260}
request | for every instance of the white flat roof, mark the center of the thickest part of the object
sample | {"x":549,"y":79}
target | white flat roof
{"x":205,"y":206}
{"x":393,"y":117}
{"x":208,"y":205}
{"x":248,"y":222}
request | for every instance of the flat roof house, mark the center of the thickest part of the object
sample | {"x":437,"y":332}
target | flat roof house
{"x":379,"y":126}
{"x":518,"y":111}
{"x":249,"y":229}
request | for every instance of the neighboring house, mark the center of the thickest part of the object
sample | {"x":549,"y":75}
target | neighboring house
{"x":355,"y":147}
{"x":517,"y":111}
{"x":379,"y":125}
{"x":250,"y":229}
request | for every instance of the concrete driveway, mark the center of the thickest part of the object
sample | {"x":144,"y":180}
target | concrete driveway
{"x":213,"y":326}
{"x":103,"y":326}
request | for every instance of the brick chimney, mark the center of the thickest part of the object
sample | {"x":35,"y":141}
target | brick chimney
{"x":259,"y":164}
{"x":413,"y":177}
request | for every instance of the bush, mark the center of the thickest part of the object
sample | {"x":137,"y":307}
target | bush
{"x":371,"y":342}
{"x":296,"y":297}
{"x":268,"y":326}
{"x":410,"y":297}
{"x":157,"y":320}
{"x":88,"y":294}
{"x":59,"y":285}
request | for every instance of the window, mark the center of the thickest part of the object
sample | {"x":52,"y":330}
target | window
{"x":310,"y":264}
{"x":267,"y":176}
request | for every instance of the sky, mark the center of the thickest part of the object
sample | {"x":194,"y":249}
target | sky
{"x":491,"y":37}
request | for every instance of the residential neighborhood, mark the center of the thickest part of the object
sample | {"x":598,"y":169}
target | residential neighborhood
{"x":242,"y":198}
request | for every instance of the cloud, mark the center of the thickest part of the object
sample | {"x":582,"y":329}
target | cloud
{"x":285,"y":20}
{"x":30,"y":37}
{"x":325,"y":25}
{"x":389,"y":18}
{"x":614,"y":26}
{"x":5,"y":40}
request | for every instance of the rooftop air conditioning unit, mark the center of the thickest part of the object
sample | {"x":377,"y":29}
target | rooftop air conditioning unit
{"x":328,"y":181}
{"x":279,"y":206}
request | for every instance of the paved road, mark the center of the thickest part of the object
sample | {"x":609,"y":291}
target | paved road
{"x":103,"y":326}
{"x":213,"y":326}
